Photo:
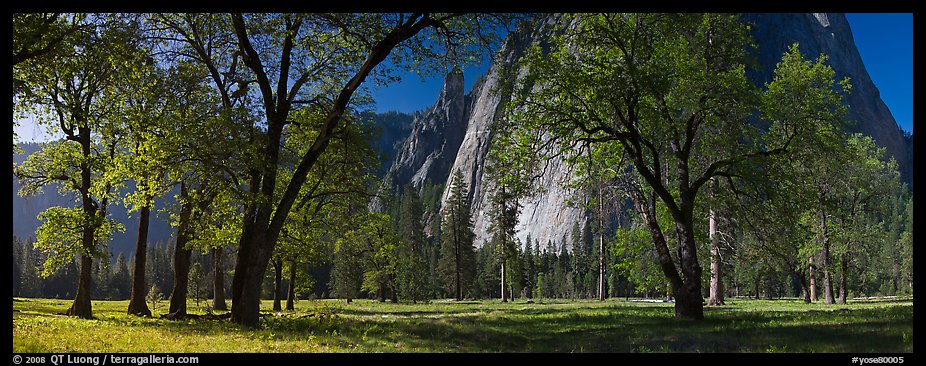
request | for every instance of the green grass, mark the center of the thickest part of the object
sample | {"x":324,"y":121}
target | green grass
{"x":480,"y":326}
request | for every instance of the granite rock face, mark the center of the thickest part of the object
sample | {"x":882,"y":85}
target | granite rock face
{"x":442,"y":135}
{"x":430,"y":148}
{"x":830,"y":34}
{"x":544,"y":216}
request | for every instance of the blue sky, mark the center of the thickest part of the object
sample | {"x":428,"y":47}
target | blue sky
{"x":885,"y":42}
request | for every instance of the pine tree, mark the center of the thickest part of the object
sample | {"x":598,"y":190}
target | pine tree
{"x":413,"y":274}
{"x":530,"y":274}
{"x":504,"y":216}
{"x":121,"y":279}
{"x":457,"y":260}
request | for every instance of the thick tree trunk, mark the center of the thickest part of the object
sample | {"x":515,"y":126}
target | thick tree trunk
{"x":688,"y":300}
{"x":178,"y":294}
{"x":291,"y":292}
{"x":249,"y":273}
{"x":82,"y":307}
{"x":260,"y":233}
{"x":716,"y":291}
{"x":218,"y":280}
{"x":277,"y":285}
{"x":137,"y":303}
{"x":812,"y":279}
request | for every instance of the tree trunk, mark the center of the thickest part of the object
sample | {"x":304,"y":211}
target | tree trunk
{"x":291,"y":293}
{"x":137,"y":303}
{"x":178,"y":294}
{"x":827,"y":279}
{"x":601,"y":270}
{"x":218,"y":280}
{"x":277,"y":285}
{"x":805,"y":290}
{"x":504,"y":298}
{"x":82,"y":307}
{"x":843,"y":282}
{"x":689,"y":303}
{"x":249,"y":273}
{"x":812,"y":279}
{"x":758,"y":280}
{"x":716,"y":291}
{"x":259,"y":233}
{"x":688,"y":300}
{"x":458,"y":283}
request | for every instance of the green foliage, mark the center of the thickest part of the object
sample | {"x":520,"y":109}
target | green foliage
{"x":60,"y":237}
{"x":413,"y":276}
{"x":154,"y":298}
{"x":635,"y":259}
{"x":457,"y":256}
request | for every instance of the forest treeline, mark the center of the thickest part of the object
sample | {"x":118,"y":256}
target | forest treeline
{"x":256,"y":123}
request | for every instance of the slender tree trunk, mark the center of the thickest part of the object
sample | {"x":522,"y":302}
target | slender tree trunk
{"x":716,"y":291}
{"x":458,"y":281}
{"x":277,"y":284}
{"x":291,"y":293}
{"x":601,"y":270}
{"x":843,"y":282}
{"x":812,"y":279}
{"x":805,"y":290}
{"x":137,"y":303}
{"x":827,"y":279}
{"x":178,"y":295}
{"x":758,"y":279}
{"x":218,"y":280}
{"x":504,"y":298}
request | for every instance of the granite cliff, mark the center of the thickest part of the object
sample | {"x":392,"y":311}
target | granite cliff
{"x":455,"y":134}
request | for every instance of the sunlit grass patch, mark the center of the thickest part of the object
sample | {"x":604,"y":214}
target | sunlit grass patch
{"x":480,"y":326}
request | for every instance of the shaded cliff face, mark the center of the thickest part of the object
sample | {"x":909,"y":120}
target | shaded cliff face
{"x":429,"y":150}
{"x":830,"y":34}
{"x":548,"y":215}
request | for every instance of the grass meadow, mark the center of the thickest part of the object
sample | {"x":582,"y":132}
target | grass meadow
{"x":883,"y":325}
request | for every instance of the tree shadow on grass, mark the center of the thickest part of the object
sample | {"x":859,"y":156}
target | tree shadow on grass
{"x":616,"y":327}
